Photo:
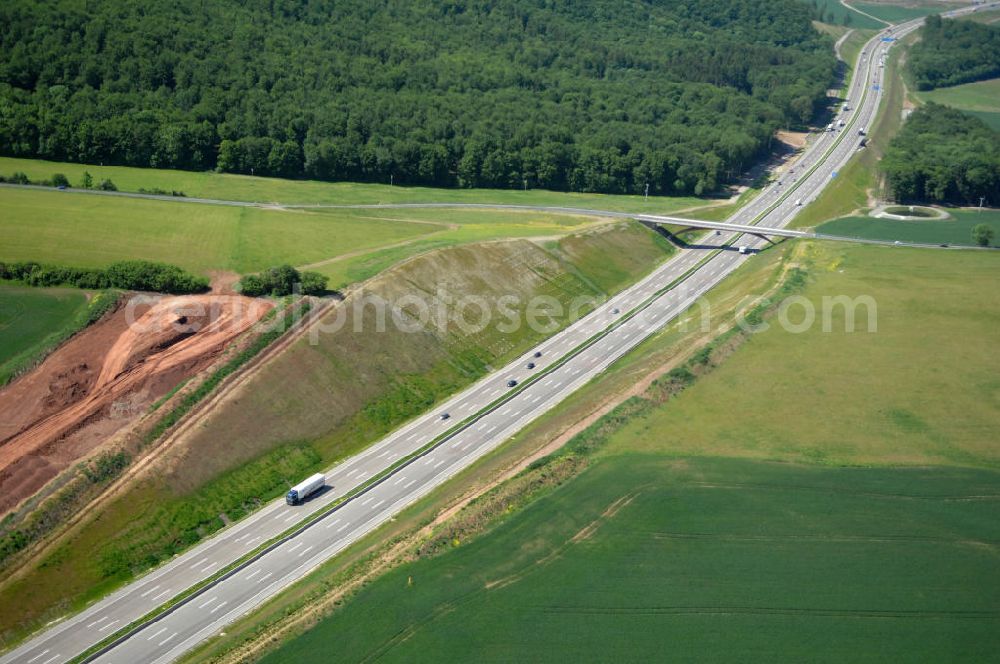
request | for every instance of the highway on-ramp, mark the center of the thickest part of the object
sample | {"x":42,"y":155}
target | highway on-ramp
{"x":423,"y":454}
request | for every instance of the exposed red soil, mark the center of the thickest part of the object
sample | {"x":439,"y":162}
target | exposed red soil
{"x":105,"y":377}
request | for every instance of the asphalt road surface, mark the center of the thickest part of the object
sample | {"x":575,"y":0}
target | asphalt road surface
{"x":480,"y":418}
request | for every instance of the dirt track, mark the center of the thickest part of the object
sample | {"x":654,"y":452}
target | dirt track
{"x":105,"y":378}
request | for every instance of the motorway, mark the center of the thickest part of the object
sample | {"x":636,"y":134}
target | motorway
{"x":424,"y":453}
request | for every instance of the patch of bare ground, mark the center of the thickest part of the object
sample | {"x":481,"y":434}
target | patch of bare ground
{"x":104,"y":378}
{"x":793,"y":139}
{"x":223,"y":282}
{"x":131,"y":440}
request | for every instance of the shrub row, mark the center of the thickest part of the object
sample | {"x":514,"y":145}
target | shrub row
{"x":128,"y":275}
{"x":283,"y":280}
{"x":60,"y":180}
{"x":162,"y":192}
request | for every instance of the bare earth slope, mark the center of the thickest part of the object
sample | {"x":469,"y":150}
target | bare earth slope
{"x":105,"y":377}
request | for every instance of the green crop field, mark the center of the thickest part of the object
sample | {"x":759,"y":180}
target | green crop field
{"x":94,"y":231}
{"x":989,"y":17}
{"x":30,"y":317}
{"x":647,"y":559}
{"x":991,"y":118}
{"x":289,"y":192}
{"x":978,"y":96}
{"x":898,"y":13}
{"x":980,"y":99}
{"x":836,"y":13}
{"x":951,"y":231}
{"x":348,"y":245}
{"x":923,"y":388}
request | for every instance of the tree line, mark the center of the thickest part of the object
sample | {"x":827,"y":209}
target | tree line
{"x":128,"y":275}
{"x":942,"y":155}
{"x":954,"y":52}
{"x":60,"y":180}
{"x":594,"y":95}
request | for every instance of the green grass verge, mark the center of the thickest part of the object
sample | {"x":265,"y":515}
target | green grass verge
{"x":33,"y":321}
{"x":957,"y":231}
{"x":268,"y":190}
{"x":455,"y":227}
{"x":992,"y":16}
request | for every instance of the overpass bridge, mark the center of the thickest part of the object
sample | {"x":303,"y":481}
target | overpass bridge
{"x":763,"y":232}
{"x":767,"y":232}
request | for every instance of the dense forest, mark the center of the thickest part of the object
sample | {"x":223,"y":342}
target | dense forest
{"x":954,"y":52}
{"x":590,"y":95}
{"x":942,"y":155}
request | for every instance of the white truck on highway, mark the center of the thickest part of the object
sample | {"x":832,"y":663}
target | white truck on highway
{"x":304,"y":489}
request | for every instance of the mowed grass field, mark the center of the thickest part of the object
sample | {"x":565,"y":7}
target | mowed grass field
{"x":643,"y":558}
{"x":922,"y":389}
{"x":347,"y":245}
{"x":819,"y":496}
{"x":31,"y":316}
{"x":980,"y":99}
{"x":957,"y":231}
{"x":226,"y":186}
{"x":447,"y":227}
